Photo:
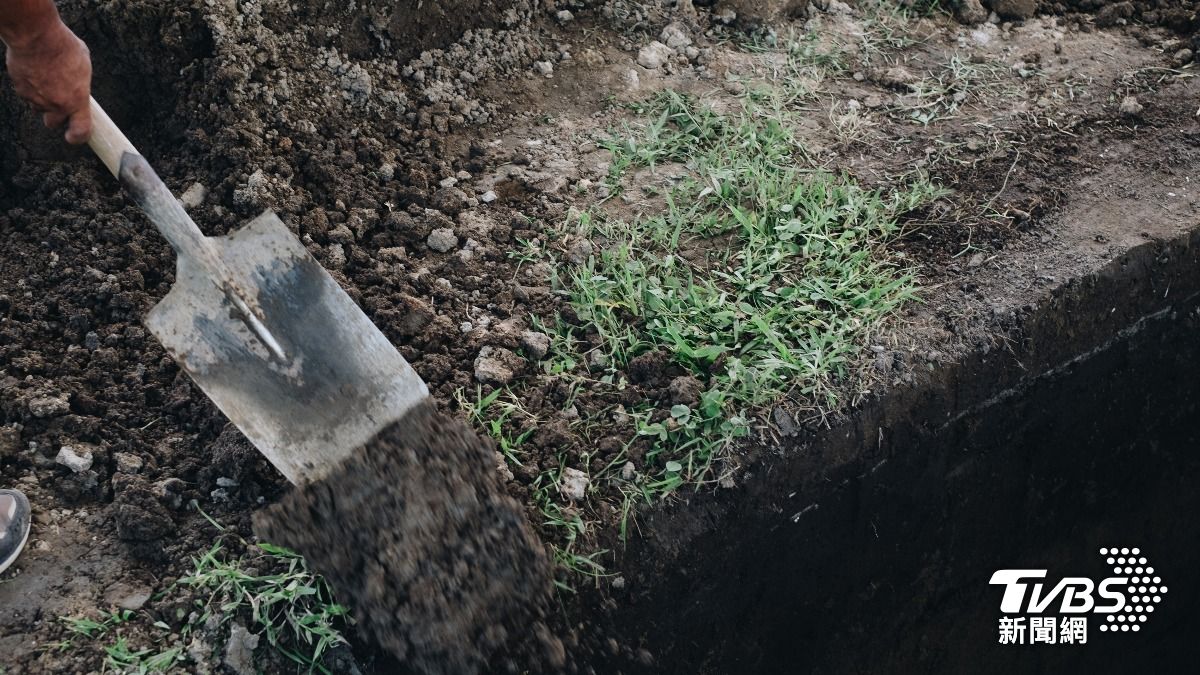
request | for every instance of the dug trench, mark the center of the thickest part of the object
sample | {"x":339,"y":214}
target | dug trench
{"x":869,"y":547}
{"x":865,"y":546}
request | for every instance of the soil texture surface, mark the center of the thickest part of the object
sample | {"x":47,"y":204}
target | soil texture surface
{"x":415,"y":530}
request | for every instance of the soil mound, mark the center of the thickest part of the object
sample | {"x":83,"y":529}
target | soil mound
{"x":418,"y":536}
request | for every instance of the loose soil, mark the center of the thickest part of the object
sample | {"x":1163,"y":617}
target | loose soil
{"x":415,"y":532}
{"x":319,"y":113}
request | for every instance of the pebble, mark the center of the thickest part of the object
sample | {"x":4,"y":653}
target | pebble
{"x":564,"y":15}
{"x":128,"y":462}
{"x":544,"y":68}
{"x":77,"y":460}
{"x":239,"y":650}
{"x":336,"y":256}
{"x":442,"y":239}
{"x":675,"y":36}
{"x":654,"y":55}
{"x":631,"y":80}
{"x":194,"y":196}
{"x":784,"y":422}
{"x":628,"y":471}
{"x":48,"y":406}
{"x":573,"y":484}
{"x":494,"y":365}
{"x":536,"y":345}
{"x":597,"y":359}
{"x":488,"y":197}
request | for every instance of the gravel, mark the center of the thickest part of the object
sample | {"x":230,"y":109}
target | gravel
{"x":78,"y":459}
{"x":654,"y":55}
{"x":442,"y":239}
{"x":536,"y":345}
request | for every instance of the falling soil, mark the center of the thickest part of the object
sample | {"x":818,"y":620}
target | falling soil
{"x":418,"y":536}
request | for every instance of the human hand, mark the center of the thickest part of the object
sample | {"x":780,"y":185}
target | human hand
{"x":53,"y":71}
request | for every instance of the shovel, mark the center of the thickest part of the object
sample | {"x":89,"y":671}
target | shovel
{"x":264,"y":330}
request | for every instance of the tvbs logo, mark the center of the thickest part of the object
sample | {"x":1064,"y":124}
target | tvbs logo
{"x":1124,"y":600}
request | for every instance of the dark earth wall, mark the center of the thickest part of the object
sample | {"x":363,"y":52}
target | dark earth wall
{"x":870,"y":548}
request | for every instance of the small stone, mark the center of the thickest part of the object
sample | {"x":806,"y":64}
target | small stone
{"x":496,"y":365}
{"x":336,"y":256}
{"x":784,"y":422}
{"x":631,"y":80}
{"x":975,"y":260}
{"x":448,"y":182}
{"x":1130,"y":106}
{"x":543,"y":68}
{"x":536,"y":345}
{"x":488,"y":197}
{"x":1183,"y":57}
{"x":573,"y":484}
{"x":226,"y":482}
{"x":873,"y":101}
{"x":597,"y":359}
{"x":564,"y":16}
{"x":239,"y":650}
{"x":194,"y":196}
{"x":502,"y":467}
{"x":654,"y":55}
{"x":77,"y":459}
{"x":628,"y":471}
{"x":675,"y":36}
{"x":442,"y":239}
{"x":128,"y":462}
{"x":48,"y":406}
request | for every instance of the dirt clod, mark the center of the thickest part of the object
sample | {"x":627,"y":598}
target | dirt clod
{"x":417,"y":535}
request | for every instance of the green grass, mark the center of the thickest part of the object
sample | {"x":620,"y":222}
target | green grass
{"x":289,"y":605}
{"x":754,"y":271}
{"x":761,"y":275}
{"x":269,"y":587}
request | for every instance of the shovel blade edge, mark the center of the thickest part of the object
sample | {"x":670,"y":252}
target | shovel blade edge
{"x":341,"y":382}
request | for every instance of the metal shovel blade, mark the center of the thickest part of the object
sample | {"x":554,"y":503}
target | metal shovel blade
{"x":340,"y":381}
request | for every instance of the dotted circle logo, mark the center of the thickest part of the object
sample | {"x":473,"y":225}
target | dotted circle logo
{"x":1143,"y":592}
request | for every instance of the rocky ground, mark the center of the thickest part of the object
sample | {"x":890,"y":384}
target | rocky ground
{"x":444,"y":189}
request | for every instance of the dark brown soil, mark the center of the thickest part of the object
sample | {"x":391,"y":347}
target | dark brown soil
{"x":216,"y":94}
{"x":417,"y":536}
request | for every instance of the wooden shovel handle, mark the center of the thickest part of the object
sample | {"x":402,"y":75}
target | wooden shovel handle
{"x":107,"y":141}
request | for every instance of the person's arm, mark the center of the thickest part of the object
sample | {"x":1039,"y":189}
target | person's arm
{"x":49,"y":66}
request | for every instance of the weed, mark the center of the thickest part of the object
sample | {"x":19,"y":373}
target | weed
{"x":292,"y":606}
{"x":120,"y":657}
{"x":760,"y":276}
